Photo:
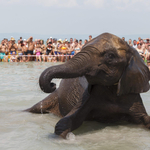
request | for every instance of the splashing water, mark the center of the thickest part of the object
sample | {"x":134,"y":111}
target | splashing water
{"x":70,"y":136}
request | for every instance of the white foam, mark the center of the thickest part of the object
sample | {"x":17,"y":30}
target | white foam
{"x":70,"y":136}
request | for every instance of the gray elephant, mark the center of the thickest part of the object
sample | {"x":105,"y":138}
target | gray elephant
{"x":100,"y":83}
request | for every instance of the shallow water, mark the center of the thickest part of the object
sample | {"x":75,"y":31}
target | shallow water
{"x":25,"y":131}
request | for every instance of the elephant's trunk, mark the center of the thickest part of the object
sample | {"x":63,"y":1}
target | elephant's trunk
{"x":77,"y":66}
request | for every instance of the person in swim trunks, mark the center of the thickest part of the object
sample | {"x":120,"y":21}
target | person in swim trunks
{"x":3,"y":48}
{"x":12,"y":46}
{"x":20,"y":44}
{"x":31,"y":46}
{"x":49,"y":49}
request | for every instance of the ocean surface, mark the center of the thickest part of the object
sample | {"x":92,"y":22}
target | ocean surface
{"x":20,"y":130}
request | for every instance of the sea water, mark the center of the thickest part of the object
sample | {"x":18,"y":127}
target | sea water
{"x":20,"y":130}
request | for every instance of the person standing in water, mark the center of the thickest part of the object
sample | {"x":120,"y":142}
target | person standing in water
{"x":30,"y":48}
{"x":77,"y":47}
{"x":12,"y":46}
{"x":3,"y":48}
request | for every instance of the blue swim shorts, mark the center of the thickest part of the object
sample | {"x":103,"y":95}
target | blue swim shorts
{"x":2,"y":55}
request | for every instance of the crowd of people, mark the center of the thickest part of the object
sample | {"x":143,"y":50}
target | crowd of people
{"x":142,"y":46}
{"x":55,"y":50}
{"x":28,"y":50}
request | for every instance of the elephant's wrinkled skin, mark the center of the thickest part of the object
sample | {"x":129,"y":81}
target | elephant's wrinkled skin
{"x":113,"y":76}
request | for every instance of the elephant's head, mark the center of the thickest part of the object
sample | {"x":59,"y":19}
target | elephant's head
{"x":105,"y":60}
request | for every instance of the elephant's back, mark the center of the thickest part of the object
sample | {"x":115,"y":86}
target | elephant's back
{"x":70,"y":92}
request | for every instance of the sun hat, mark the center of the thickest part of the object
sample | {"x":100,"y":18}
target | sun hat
{"x":12,"y":39}
{"x":60,"y":40}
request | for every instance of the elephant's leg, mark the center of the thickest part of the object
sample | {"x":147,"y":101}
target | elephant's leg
{"x":48,"y":105}
{"x":74,"y":119}
{"x":139,"y":115}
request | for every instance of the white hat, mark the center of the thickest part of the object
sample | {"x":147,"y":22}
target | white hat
{"x":50,"y":37}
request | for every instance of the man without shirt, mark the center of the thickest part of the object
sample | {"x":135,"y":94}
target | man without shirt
{"x":71,"y":42}
{"x":12,"y":46}
{"x":135,"y":44}
{"x":80,"y":44}
{"x":30,"y":48}
{"x":3,"y":48}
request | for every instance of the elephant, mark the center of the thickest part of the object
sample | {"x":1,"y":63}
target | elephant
{"x":102,"y":82}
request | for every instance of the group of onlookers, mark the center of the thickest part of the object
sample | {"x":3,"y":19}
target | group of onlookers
{"x":54,"y":50}
{"x":28,"y":50}
{"x":142,"y":46}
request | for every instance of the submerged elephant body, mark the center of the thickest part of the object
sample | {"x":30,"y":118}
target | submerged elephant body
{"x":61,"y":101}
{"x":107,"y":77}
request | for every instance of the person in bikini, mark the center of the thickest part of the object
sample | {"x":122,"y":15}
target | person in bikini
{"x":63,"y":48}
{"x":30,"y":48}
{"x":43,"y":50}
{"x":59,"y":42}
{"x":13,"y":57}
{"x":77,"y":47}
{"x":38,"y":51}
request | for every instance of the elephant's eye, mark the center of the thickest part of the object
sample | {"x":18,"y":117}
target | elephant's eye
{"x":109,"y":56}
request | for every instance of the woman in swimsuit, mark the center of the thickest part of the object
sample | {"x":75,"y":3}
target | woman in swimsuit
{"x":43,"y":50}
{"x":13,"y":57}
{"x":49,"y":58}
{"x":77,"y":48}
{"x":63,"y":50}
{"x":38,"y":51}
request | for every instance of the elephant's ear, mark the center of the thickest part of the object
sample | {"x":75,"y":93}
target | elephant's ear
{"x":135,"y":78}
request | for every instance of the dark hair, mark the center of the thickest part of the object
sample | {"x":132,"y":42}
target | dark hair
{"x":80,"y":40}
{"x":49,"y":42}
{"x":77,"y":41}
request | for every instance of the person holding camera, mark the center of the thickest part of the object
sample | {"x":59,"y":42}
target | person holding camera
{"x":12,"y":46}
